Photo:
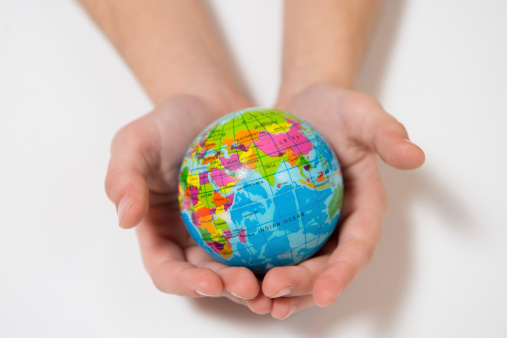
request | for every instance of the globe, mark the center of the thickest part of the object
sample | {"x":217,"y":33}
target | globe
{"x":260,"y":188}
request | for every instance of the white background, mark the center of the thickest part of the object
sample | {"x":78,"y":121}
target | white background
{"x":68,"y":270}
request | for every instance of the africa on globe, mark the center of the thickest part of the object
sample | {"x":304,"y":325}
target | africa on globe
{"x":260,"y":188}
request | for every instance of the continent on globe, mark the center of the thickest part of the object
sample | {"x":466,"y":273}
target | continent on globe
{"x":260,"y":188}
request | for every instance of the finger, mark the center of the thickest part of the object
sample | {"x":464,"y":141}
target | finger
{"x":373,"y":126}
{"x":284,"y":307}
{"x":181,"y":278}
{"x":260,"y":304}
{"x":240,"y":282}
{"x":390,"y":140}
{"x":293,"y":280}
{"x":237,"y":282}
{"x":353,"y":255}
{"x":125,"y":182}
{"x":171,"y":273}
{"x":358,"y":237}
{"x":127,"y":189}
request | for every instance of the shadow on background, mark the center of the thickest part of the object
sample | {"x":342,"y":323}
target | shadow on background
{"x":375,"y":292}
{"x":381,"y":287}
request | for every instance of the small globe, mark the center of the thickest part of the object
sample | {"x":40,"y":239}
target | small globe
{"x":260,"y":188}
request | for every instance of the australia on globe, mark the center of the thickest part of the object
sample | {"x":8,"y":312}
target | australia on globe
{"x":260,"y":188}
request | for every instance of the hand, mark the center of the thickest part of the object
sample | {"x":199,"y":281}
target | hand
{"x":142,"y":181}
{"x":358,"y":129}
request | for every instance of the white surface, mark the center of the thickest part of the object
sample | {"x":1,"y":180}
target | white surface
{"x":67,"y":270}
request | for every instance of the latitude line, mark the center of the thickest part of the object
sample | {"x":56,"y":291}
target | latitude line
{"x":263,"y":156}
{"x":285,"y":170}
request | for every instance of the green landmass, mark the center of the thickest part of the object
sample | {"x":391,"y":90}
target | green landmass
{"x":183,"y":178}
{"x":206,"y":195}
{"x":270,"y":165}
{"x":301,"y":162}
{"x":336,"y":202}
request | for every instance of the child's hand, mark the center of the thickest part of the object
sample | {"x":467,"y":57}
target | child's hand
{"x":358,"y":129}
{"x":142,"y":182}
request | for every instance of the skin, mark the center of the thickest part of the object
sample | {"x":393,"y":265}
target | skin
{"x":318,"y":76}
{"x":170,"y":44}
{"x":145,"y":160}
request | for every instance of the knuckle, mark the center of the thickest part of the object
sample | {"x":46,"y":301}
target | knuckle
{"x":364,"y":102}
{"x":124,"y":134}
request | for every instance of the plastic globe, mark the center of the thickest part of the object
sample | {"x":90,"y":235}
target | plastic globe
{"x":260,"y":188}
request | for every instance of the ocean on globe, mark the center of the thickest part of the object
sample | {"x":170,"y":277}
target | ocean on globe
{"x":260,"y":188}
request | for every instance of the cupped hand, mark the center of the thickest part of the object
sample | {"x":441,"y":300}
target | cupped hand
{"x":142,"y":181}
{"x":358,"y":129}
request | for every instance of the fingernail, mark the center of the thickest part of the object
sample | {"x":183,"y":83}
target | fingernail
{"x":412,"y":143}
{"x":291,"y":311}
{"x":284,"y":292}
{"x":409,"y":141}
{"x":123,"y":207}
{"x":204,"y":294}
{"x":244,"y":298}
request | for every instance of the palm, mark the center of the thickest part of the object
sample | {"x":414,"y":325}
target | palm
{"x":145,"y":162}
{"x":143,"y":171}
{"x":358,"y":129}
{"x":342,"y":117}
{"x":164,"y":135}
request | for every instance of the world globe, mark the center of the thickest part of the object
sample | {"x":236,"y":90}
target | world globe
{"x":260,"y":188}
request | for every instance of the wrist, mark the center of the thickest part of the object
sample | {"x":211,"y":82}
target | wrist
{"x":218,"y":96}
{"x":222,"y":98}
{"x":294,"y":86}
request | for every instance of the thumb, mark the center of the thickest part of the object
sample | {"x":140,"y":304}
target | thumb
{"x":125,"y":181}
{"x":383,"y":133}
{"x":390,"y":140}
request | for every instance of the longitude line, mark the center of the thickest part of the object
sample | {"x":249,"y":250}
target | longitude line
{"x":262,"y":164}
{"x":234,"y":136}
{"x":316,"y":194}
{"x":205,"y":192}
{"x":274,"y":201}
